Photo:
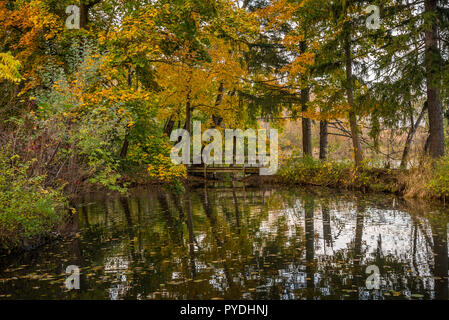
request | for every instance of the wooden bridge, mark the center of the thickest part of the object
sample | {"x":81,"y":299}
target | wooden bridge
{"x":206,"y":169}
{"x":251,"y":166}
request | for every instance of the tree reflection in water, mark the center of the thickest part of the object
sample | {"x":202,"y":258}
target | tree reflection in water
{"x":238,"y":242}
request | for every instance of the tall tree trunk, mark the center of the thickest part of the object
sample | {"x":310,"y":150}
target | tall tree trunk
{"x":414,"y":127}
{"x":84,"y":12}
{"x":168,"y":127}
{"x":324,"y":134}
{"x":84,"y":15}
{"x":188,"y":125}
{"x":125,"y":146}
{"x":436,"y":143}
{"x":306,"y":124}
{"x":215,"y":118}
{"x":358,"y":156}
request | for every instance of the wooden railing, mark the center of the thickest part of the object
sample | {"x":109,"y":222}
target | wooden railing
{"x":239,"y":168}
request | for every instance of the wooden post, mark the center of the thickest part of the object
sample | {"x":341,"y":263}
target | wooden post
{"x":205,"y":171}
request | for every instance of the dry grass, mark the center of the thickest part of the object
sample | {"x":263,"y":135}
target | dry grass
{"x":415,"y":181}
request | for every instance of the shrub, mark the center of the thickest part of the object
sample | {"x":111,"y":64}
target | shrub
{"x":154,"y":155}
{"x":313,"y":171}
{"x":439,"y":180}
{"x":27,"y":209}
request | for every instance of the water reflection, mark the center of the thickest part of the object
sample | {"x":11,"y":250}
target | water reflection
{"x":236,"y":242}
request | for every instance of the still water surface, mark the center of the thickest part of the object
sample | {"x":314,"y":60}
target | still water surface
{"x":240,"y":243}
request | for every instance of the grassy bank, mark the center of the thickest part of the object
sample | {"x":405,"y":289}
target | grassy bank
{"x":430,"y":182}
{"x":29,"y":212}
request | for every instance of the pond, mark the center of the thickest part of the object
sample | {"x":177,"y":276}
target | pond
{"x":223,"y":241}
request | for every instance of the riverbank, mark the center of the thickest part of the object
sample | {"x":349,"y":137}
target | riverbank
{"x":348,"y":178}
{"x":374,"y":181}
{"x":429,"y":182}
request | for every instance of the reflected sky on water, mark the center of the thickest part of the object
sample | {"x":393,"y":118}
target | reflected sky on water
{"x":237,"y":242}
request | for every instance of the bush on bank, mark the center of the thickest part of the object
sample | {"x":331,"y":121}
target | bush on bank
{"x":439,"y":182}
{"x":429,"y":181}
{"x":340,"y":174}
{"x":28,"y":211}
{"x":307,"y":170}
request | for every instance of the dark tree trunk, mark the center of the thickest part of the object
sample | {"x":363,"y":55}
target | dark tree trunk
{"x":215,"y":118}
{"x":411,"y":134}
{"x":168,"y":128}
{"x":324,"y":134}
{"x":447,"y":119}
{"x":427,"y":146}
{"x":188,"y":125}
{"x":306,"y":125}
{"x":84,"y":12}
{"x":358,"y":156}
{"x":125,"y":146}
{"x":84,"y":15}
{"x":436,"y":140}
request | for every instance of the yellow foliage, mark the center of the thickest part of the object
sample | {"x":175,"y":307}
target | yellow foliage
{"x":9,"y":68}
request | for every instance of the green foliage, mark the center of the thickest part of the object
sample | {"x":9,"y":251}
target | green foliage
{"x":439,"y":181}
{"x":98,"y":146}
{"x":90,"y":135}
{"x":154,"y":156}
{"x":311,"y":171}
{"x":341,"y":174}
{"x":27,"y":209}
